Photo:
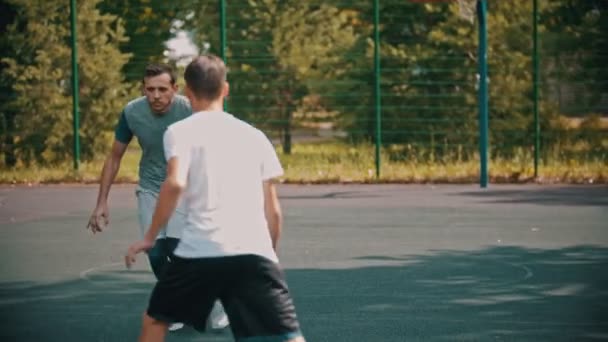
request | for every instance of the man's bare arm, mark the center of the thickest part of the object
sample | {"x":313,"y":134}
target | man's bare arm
{"x":110,"y":170}
{"x":272,"y":211}
{"x":108,"y":174}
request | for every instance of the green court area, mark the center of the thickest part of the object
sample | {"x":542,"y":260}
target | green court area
{"x":365,"y":263}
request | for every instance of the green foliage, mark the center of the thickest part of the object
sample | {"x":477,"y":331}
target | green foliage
{"x":429,"y":61}
{"x":148,"y":25}
{"x":297,"y":63}
{"x":345,"y":162}
{"x":576,"y":42}
{"x":278,"y":52}
{"x":432,"y":81}
{"x":574,"y":73}
{"x":39,"y":71}
{"x":201,"y":19}
{"x":7,"y":113}
{"x":429,"y":74}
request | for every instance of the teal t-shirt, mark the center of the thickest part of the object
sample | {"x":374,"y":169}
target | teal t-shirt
{"x":137,"y":119}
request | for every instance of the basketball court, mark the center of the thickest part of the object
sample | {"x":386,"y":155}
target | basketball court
{"x":364,"y":262}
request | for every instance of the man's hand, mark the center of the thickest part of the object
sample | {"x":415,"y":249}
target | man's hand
{"x":136,"y":248}
{"x":99,"y":219}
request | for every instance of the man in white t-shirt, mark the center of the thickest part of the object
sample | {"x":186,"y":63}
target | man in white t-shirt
{"x":224,"y":170}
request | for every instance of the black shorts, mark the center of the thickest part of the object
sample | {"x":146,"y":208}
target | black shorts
{"x":251,"y":288}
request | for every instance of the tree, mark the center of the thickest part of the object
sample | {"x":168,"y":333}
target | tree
{"x":148,"y":24}
{"x":308,"y":44}
{"x":421,"y":79}
{"x":38,"y":66}
{"x":283,"y":52}
{"x":200,"y":18}
{"x":574,"y":53}
{"x":429,"y":74}
{"x":278,"y":52}
{"x":7,"y":113}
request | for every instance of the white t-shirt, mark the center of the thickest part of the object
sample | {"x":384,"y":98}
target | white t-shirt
{"x":222,"y":161}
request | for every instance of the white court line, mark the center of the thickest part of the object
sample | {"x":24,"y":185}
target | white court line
{"x":84,"y":275}
{"x":529,"y":274}
{"x":35,"y":299}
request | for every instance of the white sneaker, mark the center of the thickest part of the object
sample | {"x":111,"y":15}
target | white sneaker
{"x":218,"y":319}
{"x":220,"y":322}
{"x":175,"y":326}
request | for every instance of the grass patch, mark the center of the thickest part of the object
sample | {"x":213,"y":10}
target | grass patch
{"x":88,"y":172}
{"x":333,"y":162}
{"x":338,"y":162}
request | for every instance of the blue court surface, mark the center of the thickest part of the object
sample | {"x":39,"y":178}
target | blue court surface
{"x":364,"y":263}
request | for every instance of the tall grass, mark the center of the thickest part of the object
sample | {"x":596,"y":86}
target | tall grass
{"x":340,"y":162}
{"x":337,"y":162}
{"x":88,"y":172}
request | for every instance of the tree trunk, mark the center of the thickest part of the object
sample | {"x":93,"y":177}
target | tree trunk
{"x":8,"y":143}
{"x":288,"y":108}
{"x":287,"y":129}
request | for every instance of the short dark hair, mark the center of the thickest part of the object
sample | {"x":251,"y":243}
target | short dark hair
{"x":205,"y":76}
{"x":156,"y":69}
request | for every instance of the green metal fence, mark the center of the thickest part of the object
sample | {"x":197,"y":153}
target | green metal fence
{"x":374,"y":93}
{"x":405,"y":77}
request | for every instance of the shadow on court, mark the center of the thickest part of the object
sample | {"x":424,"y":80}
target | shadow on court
{"x":494,"y":294}
{"x":571,"y":195}
{"x":331,"y":195}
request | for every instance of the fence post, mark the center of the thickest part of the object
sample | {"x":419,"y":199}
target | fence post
{"x":377,"y":91}
{"x":75,"y":85}
{"x":535,"y":66}
{"x":483,"y":93}
{"x":222,"y":11}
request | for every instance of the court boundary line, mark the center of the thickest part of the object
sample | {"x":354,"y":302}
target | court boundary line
{"x":84,"y":275}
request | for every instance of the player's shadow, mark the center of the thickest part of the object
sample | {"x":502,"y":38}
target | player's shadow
{"x":596,"y":195}
{"x":331,"y":195}
{"x":500,"y":293}
{"x":497,"y":294}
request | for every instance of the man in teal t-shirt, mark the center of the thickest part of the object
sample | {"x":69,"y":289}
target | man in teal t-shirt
{"x":147,"y":118}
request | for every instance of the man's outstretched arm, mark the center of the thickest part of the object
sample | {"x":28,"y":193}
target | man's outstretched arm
{"x":101,"y":215}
